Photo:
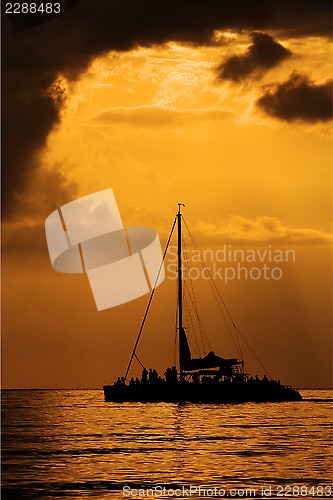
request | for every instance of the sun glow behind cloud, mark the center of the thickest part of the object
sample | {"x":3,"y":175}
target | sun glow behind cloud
{"x":157,"y":126}
{"x":134,"y":116}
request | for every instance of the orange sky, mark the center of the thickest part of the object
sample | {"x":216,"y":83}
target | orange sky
{"x":159,"y":127}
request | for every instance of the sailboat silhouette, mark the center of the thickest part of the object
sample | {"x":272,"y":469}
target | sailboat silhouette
{"x":208,"y":379}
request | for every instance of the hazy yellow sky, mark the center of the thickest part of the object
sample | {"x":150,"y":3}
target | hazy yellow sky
{"x":156,"y":120}
{"x":158,"y":126}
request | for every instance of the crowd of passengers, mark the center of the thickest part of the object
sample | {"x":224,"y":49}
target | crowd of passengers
{"x":151,"y":377}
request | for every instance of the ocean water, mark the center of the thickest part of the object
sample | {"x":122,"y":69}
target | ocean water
{"x":71,"y":444}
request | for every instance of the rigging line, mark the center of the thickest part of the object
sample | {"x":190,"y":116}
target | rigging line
{"x":219,"y":305}
{"x":207,"y":339}
{"x":254,"y":354}
{"x":198,"y":318}
{"x":140,"y":362}
{"x":195,"y":307}
{"x":176,"y":336}
{"x":224,"y":316}
{"x":192,"y":299}
{"x":227,"y":310}
{"x":187,"y":314}
{"x":211,"y":281}
{"x":201,"y":260}
{"x":190,"y":320}
{"x":205,"y":267}
{"x":150,"y":299}
{"x":238,"y":342}
{"x":187,"y":274}
{"x":215,"y":291}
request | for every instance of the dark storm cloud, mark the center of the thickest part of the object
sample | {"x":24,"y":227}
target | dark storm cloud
{"x":34,"y":58}
{"x":298,"y":99}
{"x":262,"y":55}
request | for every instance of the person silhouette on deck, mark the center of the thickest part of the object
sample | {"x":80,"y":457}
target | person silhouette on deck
{"x":144,"y":377}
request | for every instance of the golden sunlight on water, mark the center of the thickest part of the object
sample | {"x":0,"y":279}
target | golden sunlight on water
{"x":70,"y":444}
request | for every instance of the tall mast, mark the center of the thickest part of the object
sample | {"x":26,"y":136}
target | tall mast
{"x":180,"y":289}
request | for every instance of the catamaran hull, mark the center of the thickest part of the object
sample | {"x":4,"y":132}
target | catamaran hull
{"x":202,"y":393}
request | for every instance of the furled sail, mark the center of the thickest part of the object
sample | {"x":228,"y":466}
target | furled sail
{"x":184,"y":350}
{"x":210,"y":361}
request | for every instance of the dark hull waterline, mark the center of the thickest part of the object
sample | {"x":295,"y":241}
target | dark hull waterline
{"x":202,"y":393}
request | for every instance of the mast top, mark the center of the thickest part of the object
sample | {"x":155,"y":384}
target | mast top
{"x":180,"y":205}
